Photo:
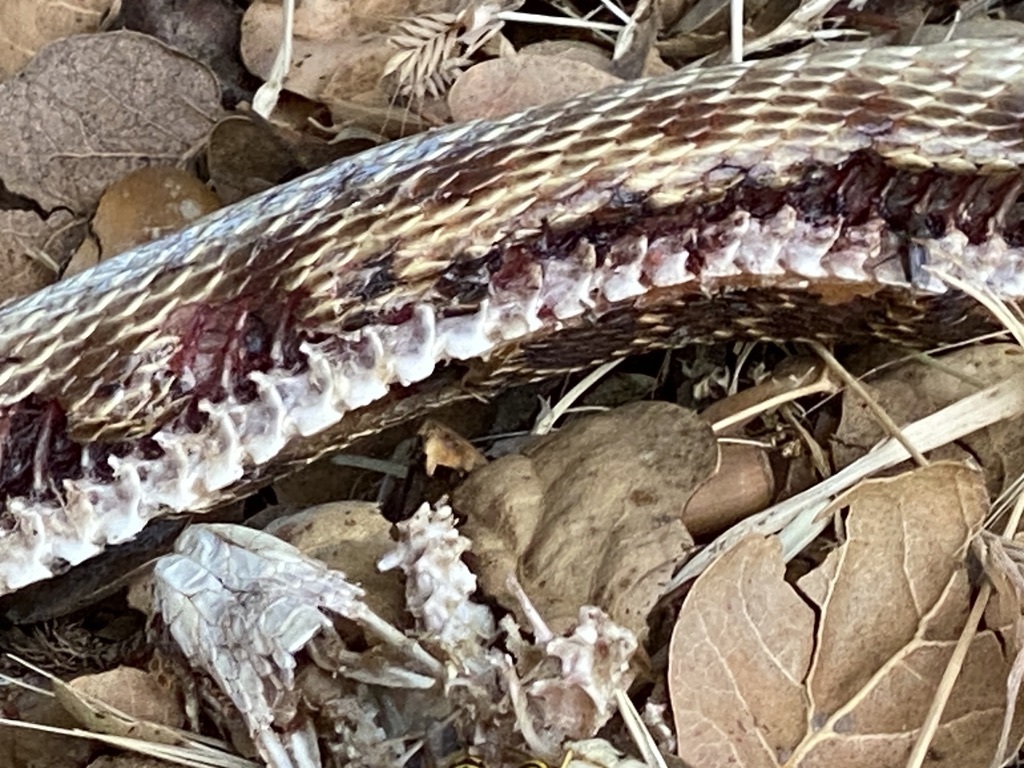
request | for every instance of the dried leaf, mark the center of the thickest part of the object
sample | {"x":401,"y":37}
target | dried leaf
{"x":377,"y":115}
{"x":246,"y":155}
{"x":914,"y":390}
{"x":100,"y":716}
{"x":21,"y":748}
{"x":757,"y":680}
{"x":1005,"y":614}
{"x":503,"y":86}
{"x":86,"y":256}
{"x":591,"y":515}
{"x":28,"y":25}
{"x":342,"y":46}
{"x":743,"y":484}
{"x":444,"y":447}
{"x":740,"y":650}
{"x":27,"y":243}
{"x":147,"y":204}
{"x":89,"y":142}
{"x":131,"y":691}
{"x":207,"y":30}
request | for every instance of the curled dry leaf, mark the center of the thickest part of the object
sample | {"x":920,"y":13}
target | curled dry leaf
{"x":744,"y":484}
{"x":590,"y":515}
{"x":635,"y":52}
{"x":503,"y":86}
{"x":28,"y":25}
{"x":914,"y":390}
{"x":841,"y":669}
{"x":147,"y":204}
{"x":444,"y":447}
{"x":99,"y":98}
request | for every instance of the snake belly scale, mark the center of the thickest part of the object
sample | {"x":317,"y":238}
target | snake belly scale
{"x":791,"y":197}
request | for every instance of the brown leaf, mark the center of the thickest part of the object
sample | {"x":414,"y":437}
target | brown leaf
{"x":86,"y":256}
{"x":27,"y":242}
{"x":743,"y":484}
{"x":576,"y":50}
{"x":341,"y":46}
{"x":135,"y":693}
{"x":247,"y":154}
{"x":207,"y":30}
{"x":28,"y":25}
{"x":90,"y":702}
{"x":914,"y":390}
{"x":503,"y":86}
{"x":739,"y":654}
{"x":756,"y":680}
{"x":89,"y":109}
{"x":591,"y":515}
{"x":374,"y":113}
{"x":147,"y":204}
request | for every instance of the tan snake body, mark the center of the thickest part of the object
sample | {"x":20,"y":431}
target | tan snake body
{"x":790,"y":197}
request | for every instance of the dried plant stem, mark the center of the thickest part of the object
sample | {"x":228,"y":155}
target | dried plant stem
{"x":266,"y":97}
{"x":822,"y":384}
{"x":890,"y":426}
{"x":558,"y":21}
{"x":956,"y":662}
{"x":993,"y":404}
{"x":736,"y":31}
{"x":547,"y":421}
{"x":642,"y":737}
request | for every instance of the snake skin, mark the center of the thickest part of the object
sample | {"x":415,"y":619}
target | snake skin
{"x":801,"y":196}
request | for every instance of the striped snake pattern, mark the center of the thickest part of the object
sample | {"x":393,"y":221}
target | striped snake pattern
{"x":812,"y":195}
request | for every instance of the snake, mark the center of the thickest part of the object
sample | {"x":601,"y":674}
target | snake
{"x":820,"y":194}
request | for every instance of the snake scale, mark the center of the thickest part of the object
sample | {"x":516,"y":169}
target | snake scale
{"x":807,"y":195}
